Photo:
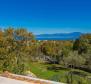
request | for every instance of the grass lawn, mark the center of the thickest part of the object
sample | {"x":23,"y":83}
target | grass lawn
{"x":41,"y":71}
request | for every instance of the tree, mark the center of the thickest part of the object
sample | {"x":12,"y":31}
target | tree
{"x":72,"y":60}
{"x":14,"y":46}
{"x":81,"y":45}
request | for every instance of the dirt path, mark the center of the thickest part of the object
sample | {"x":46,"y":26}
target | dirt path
{"x":4,"y":80}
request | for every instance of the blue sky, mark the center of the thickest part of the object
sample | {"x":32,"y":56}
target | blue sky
{"x":47,"y":16}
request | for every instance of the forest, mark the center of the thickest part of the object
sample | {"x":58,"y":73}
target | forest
{"x":64,"y":61}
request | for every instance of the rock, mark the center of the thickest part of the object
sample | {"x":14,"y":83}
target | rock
{"x":30,"y":74}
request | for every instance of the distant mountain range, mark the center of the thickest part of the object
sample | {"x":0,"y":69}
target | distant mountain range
{"x":59,"y":36}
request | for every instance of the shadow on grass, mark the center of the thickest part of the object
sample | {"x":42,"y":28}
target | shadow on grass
{"x":82,"y":74}
{"x":56,"y":68}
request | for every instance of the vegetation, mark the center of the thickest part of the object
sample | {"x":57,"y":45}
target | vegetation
{"x":61,"y":74}
{"x":63,"y":61}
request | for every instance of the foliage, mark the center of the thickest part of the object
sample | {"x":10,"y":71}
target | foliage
{"x":13,"y":49}
{"x":18,"y":48}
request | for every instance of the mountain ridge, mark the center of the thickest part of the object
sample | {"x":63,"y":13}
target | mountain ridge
{"x":59,"y":36}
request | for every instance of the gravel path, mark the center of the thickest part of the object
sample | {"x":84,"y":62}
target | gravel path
{"x":4,"y":80}
{"x":8,"y":80}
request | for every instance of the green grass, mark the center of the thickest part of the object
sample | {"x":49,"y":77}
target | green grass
{"x":41,"y":71}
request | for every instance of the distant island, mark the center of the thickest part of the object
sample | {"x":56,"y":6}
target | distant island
{"x":59,"y":36}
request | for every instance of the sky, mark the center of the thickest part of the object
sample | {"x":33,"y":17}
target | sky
{"x":47,"y":16}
